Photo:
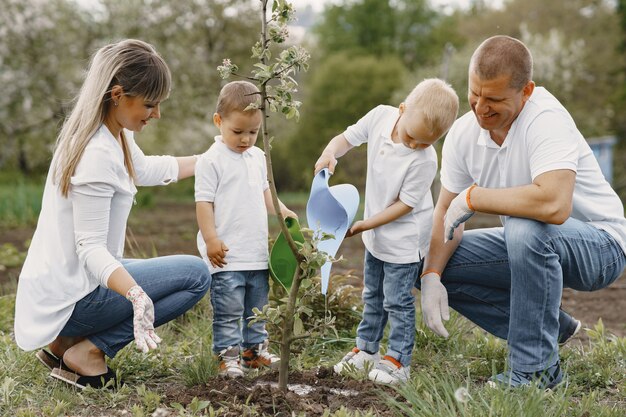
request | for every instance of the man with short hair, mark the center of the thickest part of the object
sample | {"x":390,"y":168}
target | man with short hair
{"x":518,"y":154}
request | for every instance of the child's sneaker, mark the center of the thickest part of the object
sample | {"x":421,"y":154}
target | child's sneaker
{"x":358,"y":359}
{"x":390,"y":371}
{"x":259,"y":357}
{"x":229,"y":363}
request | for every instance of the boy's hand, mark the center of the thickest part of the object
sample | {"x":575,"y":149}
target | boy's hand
{"x":216,"y":251}
{"x":326,"y":160}
{"x":357,"y":227}
{"x":288,"y":213}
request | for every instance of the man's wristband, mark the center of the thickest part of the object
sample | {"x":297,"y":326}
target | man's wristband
{"x":467,"y":197}
{"x":430,"y":271}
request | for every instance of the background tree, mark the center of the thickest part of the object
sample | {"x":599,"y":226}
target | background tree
{"x":343,"y":89}
{"x":404,"y":28}
{"x":41,"y":43}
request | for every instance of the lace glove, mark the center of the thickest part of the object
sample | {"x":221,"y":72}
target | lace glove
{"x":434,"y":303}
{"x":143,"y":319}
{"x":460,"y":211}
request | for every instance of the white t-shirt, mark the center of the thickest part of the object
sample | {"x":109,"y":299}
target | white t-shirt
{"x":235,"y":183}
{"x":394,"y":172}
{"x":79,"y":240}
{"x":543,"y":138}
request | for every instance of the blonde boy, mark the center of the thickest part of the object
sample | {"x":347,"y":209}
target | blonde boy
{"x":401,"y":166}
{"x":232,"y":202}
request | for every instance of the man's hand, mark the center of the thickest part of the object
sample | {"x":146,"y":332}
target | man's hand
{"x":459,"y":211}
{"x":434,"y":303}
{"x":326,"y":160}
{"x":143,"y":319}
{"x":216,"y":252}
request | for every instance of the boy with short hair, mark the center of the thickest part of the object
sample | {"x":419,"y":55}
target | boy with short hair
{"x":401,"y":166}
{"x":232,"y":201}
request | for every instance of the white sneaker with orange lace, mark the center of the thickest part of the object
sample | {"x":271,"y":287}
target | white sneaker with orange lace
{"x":390,"y":371}
{"x":357,"y":359}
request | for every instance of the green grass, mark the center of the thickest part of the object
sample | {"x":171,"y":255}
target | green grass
{"x":448,"y":376}
{"x":20,"y":200}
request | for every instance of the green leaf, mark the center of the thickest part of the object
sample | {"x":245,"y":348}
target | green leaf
{"x":298,"y":327}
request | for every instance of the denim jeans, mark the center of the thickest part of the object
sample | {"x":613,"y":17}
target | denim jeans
{"x":509,"y":281}
{"x":233,"y":295}
{"x":174,"y":283}
{"x":387,"y":296}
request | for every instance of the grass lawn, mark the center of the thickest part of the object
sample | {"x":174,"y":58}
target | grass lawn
{"x":179,"y":379}
{"x":448,"y":376}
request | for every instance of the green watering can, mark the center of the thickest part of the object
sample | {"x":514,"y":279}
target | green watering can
{"x":283,"y":263}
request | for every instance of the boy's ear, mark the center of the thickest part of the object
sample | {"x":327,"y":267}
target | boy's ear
{"x":401,"y":107}
{"x":217,"y":120}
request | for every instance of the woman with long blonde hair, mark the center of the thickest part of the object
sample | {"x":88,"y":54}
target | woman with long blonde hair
{"x":76,"y":293}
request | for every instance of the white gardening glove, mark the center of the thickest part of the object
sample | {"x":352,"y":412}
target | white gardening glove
{"x":460,"y":211}
{"x":143,"y":319}
{"x":434,"y":303}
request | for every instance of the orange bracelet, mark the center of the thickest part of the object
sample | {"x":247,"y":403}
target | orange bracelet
{"x":467,"y":197}
{"x":429,"y":271}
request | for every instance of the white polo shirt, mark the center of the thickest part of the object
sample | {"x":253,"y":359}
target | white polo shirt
{"x":543,"y":138}
{"x":235,"y":183}
{"x":394,"y":172}
{"x":79,"y":240}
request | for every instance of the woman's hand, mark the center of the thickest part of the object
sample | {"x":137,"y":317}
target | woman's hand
{"x":143,"y":319}
{"x":216,"y":252}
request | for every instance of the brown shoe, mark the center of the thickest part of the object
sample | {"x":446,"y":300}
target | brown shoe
{"x":259,"y":357}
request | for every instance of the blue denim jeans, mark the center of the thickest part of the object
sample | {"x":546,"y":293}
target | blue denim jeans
{"x":174,"y":283}
{"x":509,"y":281}
{"x":233,"y":295}
{"x":387,"y":296}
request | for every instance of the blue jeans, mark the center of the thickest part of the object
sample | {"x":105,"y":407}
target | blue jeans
{"x":233,"y":295}
{"x":387,"y":296}
{"x":174,"y":283}
{"x":509,"y":281}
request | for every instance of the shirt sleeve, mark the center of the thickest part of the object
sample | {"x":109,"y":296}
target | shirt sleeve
{"x":266,"y":183}
{"x":93,"y":187}
{"x":91,"y":205}
{"x":358,"y":133}
{"x":153,"y":169}
{"x":206,"y":178}
{"x":553,"y":144}
{"x":417,"y":183}
{"x":455,"y":175}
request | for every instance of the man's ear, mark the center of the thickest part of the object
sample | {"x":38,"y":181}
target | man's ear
{"x":528,"y":90}
{"x":217,"y":120}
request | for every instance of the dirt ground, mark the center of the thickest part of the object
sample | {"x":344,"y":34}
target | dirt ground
{"x":171,"y":229}
{"x":312,"y":392}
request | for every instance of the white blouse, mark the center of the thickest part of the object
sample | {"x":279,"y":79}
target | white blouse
{"x":79,"y":240}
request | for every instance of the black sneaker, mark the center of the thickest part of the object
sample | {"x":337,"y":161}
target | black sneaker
{"x":569,"y":330}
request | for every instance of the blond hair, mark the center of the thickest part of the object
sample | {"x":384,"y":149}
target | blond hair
{"x":437,"y":101}
{"x":503,"y":55}
{"x":139,"y":70}
{"x":237,"y":96}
